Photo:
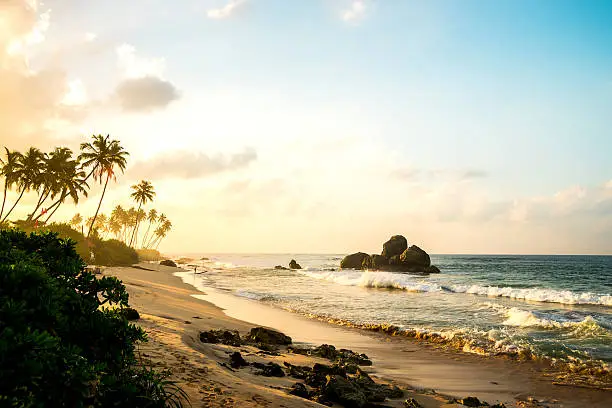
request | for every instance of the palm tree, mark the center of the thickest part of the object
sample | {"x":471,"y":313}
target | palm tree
{"x":160,"y":221}
{"x":103,"y":156}
{"x":70,"y":182}
{"x":142,"y":193}
{"x":9,"y":170}
{"x":152,"y":217}
{"x":27,"y":174}
{"x":162,"y":231}
{"x":76,"y":221}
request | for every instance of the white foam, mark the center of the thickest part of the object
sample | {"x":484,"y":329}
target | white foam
{"x":587,"y":327}
{"x":413,"y":283}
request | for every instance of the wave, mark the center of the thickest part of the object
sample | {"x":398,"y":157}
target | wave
{"x":585,"y":328}
{"x":255,"y":295}
{"x":411,"y":283}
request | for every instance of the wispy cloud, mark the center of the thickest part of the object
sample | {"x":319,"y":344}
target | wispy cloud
{"x":189,"y":165}
{"x":226,"y":11}
{"x":414,"y":174}
{"x":355,"y":12}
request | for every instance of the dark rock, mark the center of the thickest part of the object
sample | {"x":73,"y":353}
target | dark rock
{"x":343,"y":391}
{"x":415,"y":256}
{"x":130,"y":314}
{"x":229,"y":338}
{"x":325,"y":351}
{"x":432,"y":269}
{"x":375,"y":262}
{"x":322,"y":399}
{"x":354,"y":261}
{"x":299,"y":390}
{"x":280,"y":267}
{"x":268,"y":336}
{"x":395,"y":260}
{"x":299,"y":372}
{"x":412,"y":403}
{"x":269,"y":370}
{"x":317,"y":377}
{"x":348,"y":356}
{"x":470,"y":402}
{"x":204,"y":259}
{"x":168,"y":262}
{"x":236,"y":360}
{"x":294,"y":265}
{"x":396,"y":245}
{"x":499,"y":405}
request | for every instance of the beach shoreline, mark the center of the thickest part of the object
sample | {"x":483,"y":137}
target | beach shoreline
{"x":173,"y":317}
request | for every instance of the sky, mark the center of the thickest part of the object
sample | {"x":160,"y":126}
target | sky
{"x":277,"y":126}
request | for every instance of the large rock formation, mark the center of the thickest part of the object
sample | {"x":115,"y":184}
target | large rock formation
{"x":396,"y":257}
{"x":396,"y":245}
{"x":354,"y":261}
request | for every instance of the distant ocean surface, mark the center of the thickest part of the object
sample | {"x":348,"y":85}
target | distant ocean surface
{"x":554,"y":306}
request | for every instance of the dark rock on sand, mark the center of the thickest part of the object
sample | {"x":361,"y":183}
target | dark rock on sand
{"x":130,"y":314}
{"x":269,"y":370}
{"x":470,"y":402}
{"x":412,"y":403}
{"x":268,"y":336}
{"x":354,"y":261}
{"x":281,"y":268}
{"x":168,"y":262}
{"x":341,"y":390}
{"x":415,"y":256}
{"x":237,"y":361}
{"x":294,"y":265}
{"x":396,"y":245}
{"x":299,"y":372}
{"x":227,"y":337}
{"x":299,"y":390}
{"x":204,"y":259}
{"x":317,"y":377}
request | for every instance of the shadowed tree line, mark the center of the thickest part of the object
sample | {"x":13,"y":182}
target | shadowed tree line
{"x":61,"y":175}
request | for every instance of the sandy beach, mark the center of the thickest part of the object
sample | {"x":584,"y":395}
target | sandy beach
{"x":173,"y":319}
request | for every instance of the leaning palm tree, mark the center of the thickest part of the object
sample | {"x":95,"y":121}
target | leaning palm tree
{"x":151,"y":217}
{"x":102,"y":155}
{"x":142,"y":193}
{"x":27,"y":175}
{"x":160,"y":221}
{"x":161,"y":232}
{"x":9,"y":170}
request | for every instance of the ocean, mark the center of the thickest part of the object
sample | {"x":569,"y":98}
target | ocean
{"x":557,"y":307}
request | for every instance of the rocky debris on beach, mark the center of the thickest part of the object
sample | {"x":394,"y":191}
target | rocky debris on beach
{"x":130,"y":313}
{"x":269,"y":370}
{"x":268,"y":336}
{"x":237,"y":361}
{"x":294,"y":265}
{"x":412,"y":403}
{"x":281,"y":268}
{"x":396,"y":256}
{"x":227,"y":337}
{"x":343,"y":356}
{"x":168,"y":262}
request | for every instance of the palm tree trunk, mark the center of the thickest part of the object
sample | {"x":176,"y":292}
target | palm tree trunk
{"x":50,"y":215}
{"x":55,"y":205}
{"x":14,"y":205}
{"x":144,"y":239}
{"x":99,"y":205}
{"x":135,"y":226}
{"x":43,"y":197}
{"x":4,"y":198}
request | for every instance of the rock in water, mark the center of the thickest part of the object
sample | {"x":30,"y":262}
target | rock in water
{"x":396,"y":245}
{"x":342,"y":391}
{"x":354,"y":261}
{"x":168,"y":262}
{"x":415,"y":256}
{"x":432,"y":269}
{"x":268,"y":336}
{"x":281,"y":268}
{"x":376,"y":262}
{"x":294,"y":265}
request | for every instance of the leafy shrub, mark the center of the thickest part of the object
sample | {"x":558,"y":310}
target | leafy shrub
{"x":114,"y":253}
{"x":58,"y":347}
{"x":146,"y":254}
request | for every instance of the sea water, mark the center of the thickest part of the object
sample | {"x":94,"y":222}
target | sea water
{"x":558,"y":307}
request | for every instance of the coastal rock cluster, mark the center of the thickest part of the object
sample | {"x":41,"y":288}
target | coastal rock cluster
{"x":342,"y":382}
{"x":292,"y":265}
{"x":396,"y":256}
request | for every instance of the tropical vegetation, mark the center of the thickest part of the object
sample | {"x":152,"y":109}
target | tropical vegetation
{"x":60,"y":175}
{"x":64,"y":337}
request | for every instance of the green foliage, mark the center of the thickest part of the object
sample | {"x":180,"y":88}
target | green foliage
{"x":58,"y":346}
{"x":114,"y":252}
{"x":148,"y":255}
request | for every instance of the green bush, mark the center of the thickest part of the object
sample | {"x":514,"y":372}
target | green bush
{"x":114,"y":253}
{"x":58,"y":346}
{"x":147,"y":254}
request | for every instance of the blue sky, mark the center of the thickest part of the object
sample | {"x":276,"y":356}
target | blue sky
{"x":444,"y":119}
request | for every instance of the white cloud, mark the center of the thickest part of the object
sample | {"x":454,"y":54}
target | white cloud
{"x":226,"y":11}
{"x":76,"y":95}
{"x":355,"y":12}
{"x":90,"y":37}
{"x":135,"y":66}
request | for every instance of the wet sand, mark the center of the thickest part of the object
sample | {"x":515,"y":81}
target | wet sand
{"x":173,"y":313}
